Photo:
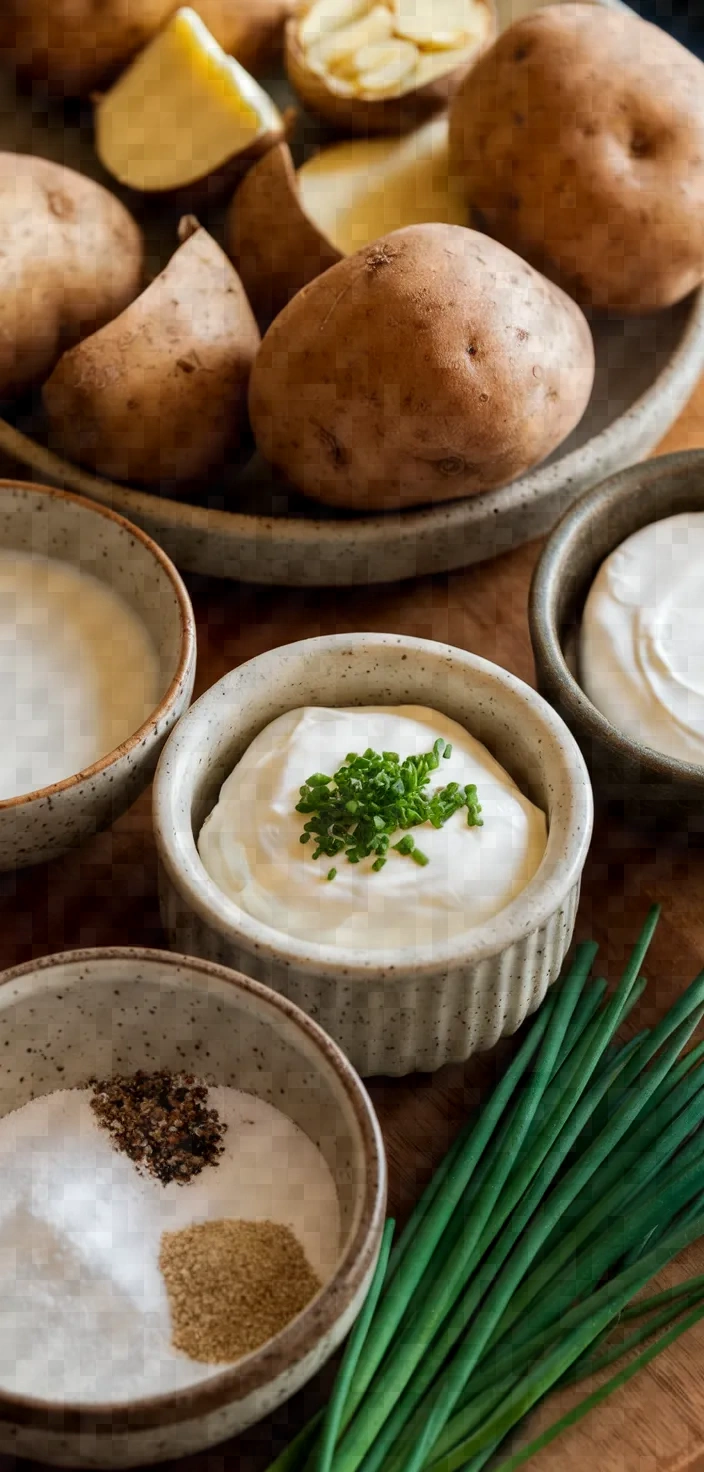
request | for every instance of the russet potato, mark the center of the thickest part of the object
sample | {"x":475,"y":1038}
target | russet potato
{"x":160,"y":394}
{"x":579,"y":138}
{"x":432,"y":365}
{"x":72,"y":260}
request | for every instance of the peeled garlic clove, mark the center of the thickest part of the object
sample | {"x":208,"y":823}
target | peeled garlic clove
{"x":182,"y":112}
{"x":382,"y":69}
{"x":337,"y":48}
{"x":426,"y":23}
{"x":370,"y":74}
{"x":329,"y":15}
{"x":433,"y":64}
{"x":435,"y":27}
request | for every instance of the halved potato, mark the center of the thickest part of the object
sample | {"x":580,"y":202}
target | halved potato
{"x":182,"y":113}
{"x":377,"y":65}
{"x":286,"y":227}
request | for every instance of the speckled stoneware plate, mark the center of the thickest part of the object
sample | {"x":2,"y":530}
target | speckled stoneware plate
{"x":95,"y":1011}
{"x":645,"y":371}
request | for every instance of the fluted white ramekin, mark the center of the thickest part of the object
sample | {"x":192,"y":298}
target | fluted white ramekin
{"x":423,"y":1008}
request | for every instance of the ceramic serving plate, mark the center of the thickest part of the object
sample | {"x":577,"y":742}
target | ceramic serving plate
{"x":646,"y":370}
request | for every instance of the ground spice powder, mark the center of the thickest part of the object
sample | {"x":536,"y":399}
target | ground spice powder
{"x":232,"y":1285}
{"x":161,"y":1120}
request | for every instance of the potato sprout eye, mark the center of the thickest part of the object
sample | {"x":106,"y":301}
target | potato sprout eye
{"x":451,"y":465}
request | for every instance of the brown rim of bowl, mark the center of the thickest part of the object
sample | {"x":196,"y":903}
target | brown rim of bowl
{"x":543,"y":603}
{"x":300,"y":1337}
{"x":188,"y":639}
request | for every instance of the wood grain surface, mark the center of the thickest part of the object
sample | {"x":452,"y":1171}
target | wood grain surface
{"x":105,"y":894}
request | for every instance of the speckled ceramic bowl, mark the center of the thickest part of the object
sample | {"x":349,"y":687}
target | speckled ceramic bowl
{"x":428,"y":1007}
{"x":103,"y":1011}
{"x":42,"y":824}
{"x":631,"y":778}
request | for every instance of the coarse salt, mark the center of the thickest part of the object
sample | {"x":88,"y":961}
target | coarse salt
{"x":84,"y":1313}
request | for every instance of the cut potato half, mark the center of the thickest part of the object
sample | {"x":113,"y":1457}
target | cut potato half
{"x":183,"y":112}
{"x":285,"y":228}
{"x":363,"y":188}
{"x":377,"y":64}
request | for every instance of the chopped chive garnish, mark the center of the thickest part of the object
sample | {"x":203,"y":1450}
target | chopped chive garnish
{"x":371,"y":797}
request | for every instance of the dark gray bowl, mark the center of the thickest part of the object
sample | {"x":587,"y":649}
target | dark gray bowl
{"x":630,"y":778}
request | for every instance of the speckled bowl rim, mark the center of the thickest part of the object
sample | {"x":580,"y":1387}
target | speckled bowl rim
{"x":255,"y":1370}
{"x":550,"y":569}
{"x":541,"y":487}
{"x":535,"y":904}
{"x":186,"y":654}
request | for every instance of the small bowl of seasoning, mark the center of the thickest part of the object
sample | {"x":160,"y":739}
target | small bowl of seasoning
{"x":617,"y":626}
{"x":193,"y":1199}
{"x":387,"y":830}
{"x":97,"y":661}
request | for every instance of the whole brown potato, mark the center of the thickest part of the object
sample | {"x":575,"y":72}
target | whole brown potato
{"x":72,"y":259}
{"x":579,"y":136}
{"x":431,"y":365}
{"x":161,"y":392}
{"x":79,"y":44}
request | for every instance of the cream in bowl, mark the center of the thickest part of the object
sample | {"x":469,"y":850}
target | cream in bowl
{"x":641,"y":653}
{"x":628,"y":552}
{"x":342,"y":859}
{"x":386,"y":960}
{"x":97,"y":661}
{"x":79,"y":668}
{"x":193,"y":1201}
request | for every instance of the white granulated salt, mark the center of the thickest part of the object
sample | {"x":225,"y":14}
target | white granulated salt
{"x":84,"y":1313}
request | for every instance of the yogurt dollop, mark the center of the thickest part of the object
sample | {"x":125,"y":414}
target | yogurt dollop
{"x":250,"y":843}
{"x":642,"y":637}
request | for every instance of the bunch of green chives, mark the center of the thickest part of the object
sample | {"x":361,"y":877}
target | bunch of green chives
{"x":580,"y":1178}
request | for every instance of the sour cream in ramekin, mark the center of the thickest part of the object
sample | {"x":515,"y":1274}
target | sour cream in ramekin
{"x":642,"y":637}
{"x":250,"y":843}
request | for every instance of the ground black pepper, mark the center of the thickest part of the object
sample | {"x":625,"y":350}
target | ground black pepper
{"x":161,"y":1121}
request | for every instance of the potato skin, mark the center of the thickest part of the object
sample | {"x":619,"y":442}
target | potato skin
{"x":276,"y":249}
{"x":579,"y":136}
{"x":432,"y":365}
{"x":160,"y":394}
{"x":77,"y":45}
{"x":72,"y":260}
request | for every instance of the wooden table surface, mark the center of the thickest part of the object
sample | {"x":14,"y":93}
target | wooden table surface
{"x":105,"y":894}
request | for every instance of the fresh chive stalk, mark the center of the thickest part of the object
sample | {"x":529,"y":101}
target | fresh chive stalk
{"x":580,"y":1177}
{"x":355,"y":1344}
{"x":596,"y":1398}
